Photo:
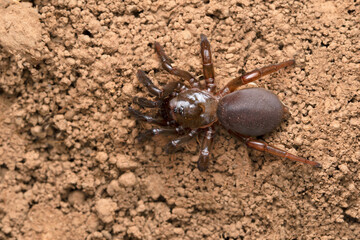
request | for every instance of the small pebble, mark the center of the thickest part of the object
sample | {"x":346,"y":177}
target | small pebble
{"x":76,"y":197}
{"x":113,"y":187}
{"x":186,"y":35}
{"x":335,"y":125}
{"x":344,"y":168}
{"x":127,"y":179}
{"x":155,"y":186}
{"x":37,"y":131}
{"x":92,"y":223}
{"x":6,"y":229}
{"x":69,"y":114}
{"x":124,"y":163}
{"x":229,"y":56}
{"x":105,"y":209}
{"x":180,"y":212}
{"x":101,"y":157}
{"x":128,"y":89}
{"x":61,"y":124}
{"x":178,"y":231}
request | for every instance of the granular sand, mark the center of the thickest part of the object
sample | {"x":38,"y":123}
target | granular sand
{"x":69,"y":165}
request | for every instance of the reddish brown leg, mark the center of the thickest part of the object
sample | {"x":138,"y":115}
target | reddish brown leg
{"x":203,"y":162}
{"x":253,"y":76}
{"x":208,"y":67}
{"x":166,"y":63}
{"x":142,"y":117}
{"x":174,"y":144}
{"x":148,"y":84}
{"x":264,"y":147}
{"x":171,"y":87}
{"x":143,"y":102}
{"x":147,"y":135}
{"x":167,"y":89}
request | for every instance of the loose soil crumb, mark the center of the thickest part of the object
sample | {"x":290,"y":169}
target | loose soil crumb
{"x":69,"y":165}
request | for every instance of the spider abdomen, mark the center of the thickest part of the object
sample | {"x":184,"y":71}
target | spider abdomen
{"x":250,"y":112}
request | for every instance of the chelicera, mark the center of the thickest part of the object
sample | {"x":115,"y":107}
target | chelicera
{"x":197,"y":110}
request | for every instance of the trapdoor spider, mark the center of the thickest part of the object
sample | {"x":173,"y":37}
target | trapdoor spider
{"x":194,"y":110}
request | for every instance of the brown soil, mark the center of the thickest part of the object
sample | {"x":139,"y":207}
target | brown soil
{"x":69,"y":167}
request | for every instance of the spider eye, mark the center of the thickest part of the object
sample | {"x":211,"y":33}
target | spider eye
{"x":179,"y":110}
{"x":202,"y":107}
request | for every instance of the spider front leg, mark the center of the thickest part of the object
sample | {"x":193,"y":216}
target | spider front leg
{"x":253,"y":76}
{"x":208,"y":66}
{"x":147,"y":135}
{"x":157,"y":92}
{"x":171,"y":87}
{"x":143,"y":79}
{"x":146,"y":103}
{"x":166,"y":64}
{"x":264,"y":147}
{"x":143,"y":117}
{"x":174,"y":144}
{"x":167,"y":90}
{"x":204,"y":158}
{"x":160,"y":95}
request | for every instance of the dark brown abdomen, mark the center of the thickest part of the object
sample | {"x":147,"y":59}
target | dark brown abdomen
{"x":250,"y":112}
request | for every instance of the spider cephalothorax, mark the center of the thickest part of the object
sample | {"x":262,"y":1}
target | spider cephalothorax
{"x":194,"y":110}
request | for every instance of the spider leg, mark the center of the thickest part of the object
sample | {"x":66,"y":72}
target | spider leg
{"x":166,"y":91}
{"x":157,"y":92}
{"x":171,"y":87}
{"x":147,"y":135}
{"x":253,"y":76}
{"x":208,"y":66}
{"x":148,"y":84}
{"x":143,"y":117}
{"x":204,"y":158}
{"x":264,"y":147}
{"x":174,"y":144}
{"x":166,"y":64}
{"x":143,"y":102}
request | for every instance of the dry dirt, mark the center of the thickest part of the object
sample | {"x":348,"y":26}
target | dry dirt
{"x":69,"y":165}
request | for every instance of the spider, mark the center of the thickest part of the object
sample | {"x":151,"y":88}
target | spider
{"x":197,"y":110}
